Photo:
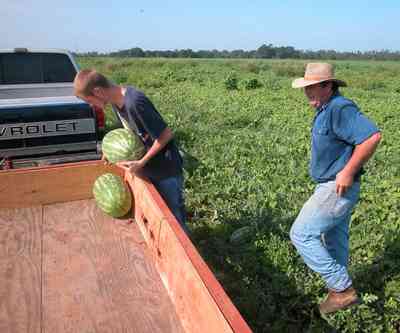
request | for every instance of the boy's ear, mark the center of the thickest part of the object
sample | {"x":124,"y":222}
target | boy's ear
{"x":97,"y":92}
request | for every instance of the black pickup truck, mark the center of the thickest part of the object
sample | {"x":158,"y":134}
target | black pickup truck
{"x":41,"y":122}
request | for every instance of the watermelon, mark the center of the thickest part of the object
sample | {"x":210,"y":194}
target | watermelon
{"x":241,"y":235}
{"x":122,"y":145}
{"x":112,"y":195}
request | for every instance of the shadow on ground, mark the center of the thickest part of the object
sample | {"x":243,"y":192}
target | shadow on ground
{"x":268,"y":300}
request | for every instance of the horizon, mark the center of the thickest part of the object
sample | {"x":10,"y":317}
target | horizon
{"x":247,"y":50}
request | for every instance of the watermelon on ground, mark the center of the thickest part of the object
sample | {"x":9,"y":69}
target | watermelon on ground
{"x":122,"y":145}
{"x":112,"y":195}
{"x":241,"y":235}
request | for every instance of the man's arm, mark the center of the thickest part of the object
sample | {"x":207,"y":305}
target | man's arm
{"x":158,"y":144}
{"x":361,"y":154}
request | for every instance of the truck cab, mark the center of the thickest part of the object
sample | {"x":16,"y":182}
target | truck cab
{"x":41,"y":121}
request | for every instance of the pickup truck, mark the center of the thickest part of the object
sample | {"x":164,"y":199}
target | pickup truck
{"x":41,"y":121}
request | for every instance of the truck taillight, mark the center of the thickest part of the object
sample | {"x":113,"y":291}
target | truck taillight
{"x":99,"y":116}
{"x":6,"y":163}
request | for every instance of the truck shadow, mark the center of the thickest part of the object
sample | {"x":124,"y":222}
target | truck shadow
{"x":264,"y":294}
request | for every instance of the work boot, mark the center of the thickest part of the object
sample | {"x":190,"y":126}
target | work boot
{"x":339,"y":300}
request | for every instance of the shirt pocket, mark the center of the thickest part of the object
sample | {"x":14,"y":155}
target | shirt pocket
{"x":324,"y":131}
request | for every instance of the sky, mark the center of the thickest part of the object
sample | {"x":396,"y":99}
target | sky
{"x":103,"y":26}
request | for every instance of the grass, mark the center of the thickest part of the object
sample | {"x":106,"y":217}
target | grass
{"x":248,"y":152}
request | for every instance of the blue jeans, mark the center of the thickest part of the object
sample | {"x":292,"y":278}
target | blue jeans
{"x":171,"y":190}
{"x":321,"y":233}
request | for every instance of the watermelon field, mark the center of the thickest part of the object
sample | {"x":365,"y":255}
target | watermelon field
{"x":245,"y":134}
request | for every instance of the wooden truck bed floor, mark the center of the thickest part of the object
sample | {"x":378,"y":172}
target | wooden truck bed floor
{"x":68,"y":268}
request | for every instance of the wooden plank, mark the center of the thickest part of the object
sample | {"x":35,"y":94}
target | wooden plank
{"x":200,"y":301}
{"x":51,"y":184}
{"x":20,"y":270}
{"x":98,"y":276}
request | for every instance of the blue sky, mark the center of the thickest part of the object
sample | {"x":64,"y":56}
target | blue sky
{"x":85,"y":25}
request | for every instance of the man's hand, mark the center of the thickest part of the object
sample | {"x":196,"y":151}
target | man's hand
{"x":131,"y":166}
{"x":344,"y":180}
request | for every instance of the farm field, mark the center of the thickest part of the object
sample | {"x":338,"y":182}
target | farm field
{"x":246,"y":133}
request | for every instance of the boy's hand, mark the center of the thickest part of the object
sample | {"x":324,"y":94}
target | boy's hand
{"x":131,"y":166}
{"x":104,"y":159}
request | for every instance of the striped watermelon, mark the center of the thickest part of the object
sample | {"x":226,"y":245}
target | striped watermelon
{"x":122,"y":145}
{"x":241,"y":235}
{"x":112,"y":195}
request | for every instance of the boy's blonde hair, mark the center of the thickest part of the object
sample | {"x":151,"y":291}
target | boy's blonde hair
{"x":88,"y":79}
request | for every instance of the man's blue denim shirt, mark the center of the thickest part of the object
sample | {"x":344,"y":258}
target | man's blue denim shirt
{"x":338,"y":127}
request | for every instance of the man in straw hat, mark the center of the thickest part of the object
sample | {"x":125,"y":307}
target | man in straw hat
{"x":343,"y":139}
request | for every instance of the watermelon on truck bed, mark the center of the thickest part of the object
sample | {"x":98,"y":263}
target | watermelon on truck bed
{"x":112,"y":195}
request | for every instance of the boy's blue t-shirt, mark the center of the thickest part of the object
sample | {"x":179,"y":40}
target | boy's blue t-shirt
{"x":338,"y":127}
{"x":144,"y":119}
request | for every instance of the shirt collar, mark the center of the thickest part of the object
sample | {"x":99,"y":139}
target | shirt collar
{"x":325,"y":105}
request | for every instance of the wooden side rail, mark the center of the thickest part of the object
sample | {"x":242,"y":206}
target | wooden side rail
{"x":200,"y":300}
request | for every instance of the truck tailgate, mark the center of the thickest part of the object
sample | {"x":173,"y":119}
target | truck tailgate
{"x":43,"y":90}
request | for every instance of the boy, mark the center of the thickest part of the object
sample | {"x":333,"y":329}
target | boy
{"x":162,"y":163}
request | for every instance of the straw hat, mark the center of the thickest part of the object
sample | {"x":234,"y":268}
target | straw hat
{"x":316,"y":73}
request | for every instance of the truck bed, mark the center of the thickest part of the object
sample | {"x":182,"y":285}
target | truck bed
{"x":68,"y":268}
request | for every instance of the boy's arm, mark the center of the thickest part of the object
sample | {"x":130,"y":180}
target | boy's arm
{"x":155,"y":126}
{"x":158,"y":144}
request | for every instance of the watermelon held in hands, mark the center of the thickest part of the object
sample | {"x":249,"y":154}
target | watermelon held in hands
{"x":112,"y":195}
{"x":122,"y":145}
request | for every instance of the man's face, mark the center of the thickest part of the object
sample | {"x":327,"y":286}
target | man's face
{"x":318,"y":94}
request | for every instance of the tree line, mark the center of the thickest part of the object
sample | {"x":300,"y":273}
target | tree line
{"x":265,"y":51}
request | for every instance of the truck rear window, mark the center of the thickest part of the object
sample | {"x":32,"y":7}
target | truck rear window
{"x":24,"y":68}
